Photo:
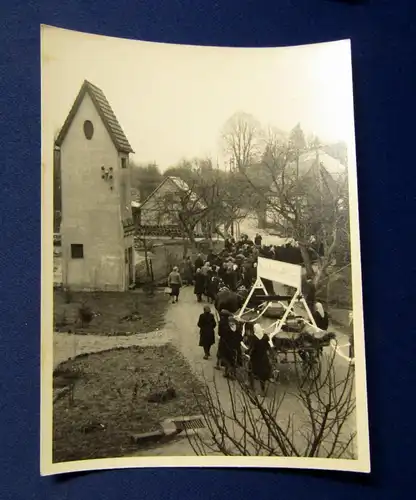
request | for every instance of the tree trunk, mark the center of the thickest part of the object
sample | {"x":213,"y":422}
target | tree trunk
{"x":146,"y":259}
{"x":220,"y":233}
{"x":307,"y":261}
{"x":185,"y":247}
{"x":191,"y":238}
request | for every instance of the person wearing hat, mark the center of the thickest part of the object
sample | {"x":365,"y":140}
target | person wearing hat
{"x":175,"y":283}
{"x":260,"y":367}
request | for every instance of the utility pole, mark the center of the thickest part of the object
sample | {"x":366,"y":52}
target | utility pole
{"x":297,"y":178}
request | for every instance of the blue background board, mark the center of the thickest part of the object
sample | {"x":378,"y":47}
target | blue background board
{"x":384,"y":54}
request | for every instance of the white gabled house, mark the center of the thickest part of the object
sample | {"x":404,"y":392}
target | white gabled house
{"x":157,"y":215}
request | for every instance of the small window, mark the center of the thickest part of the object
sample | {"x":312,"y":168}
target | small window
{"x":124,"y":163}
{"x":77,"y":251}
{"x":88,"y":129}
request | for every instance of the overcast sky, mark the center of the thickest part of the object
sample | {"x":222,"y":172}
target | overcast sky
{"x":173,"y":100}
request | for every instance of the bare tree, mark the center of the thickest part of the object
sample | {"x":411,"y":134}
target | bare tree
{"x":312,"y":419}
{"x":199,"y":206}
{"x":310,"y":204}
{"x":242,"y":139}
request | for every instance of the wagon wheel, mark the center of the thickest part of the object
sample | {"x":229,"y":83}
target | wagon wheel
{"x":311,"y":363}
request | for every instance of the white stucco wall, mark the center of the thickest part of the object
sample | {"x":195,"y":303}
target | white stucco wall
{"x":91,"y":210}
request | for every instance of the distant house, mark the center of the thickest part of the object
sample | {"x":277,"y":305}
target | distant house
{"x":158,"y":215}
{"x":97,"y":225}
{"x":316,"y":169}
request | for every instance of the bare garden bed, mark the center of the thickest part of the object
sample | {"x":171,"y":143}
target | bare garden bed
{"x":112,"y":313}
{"x":117,"y":394}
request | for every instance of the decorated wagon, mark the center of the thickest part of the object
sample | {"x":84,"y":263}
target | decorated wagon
{"x":294,"y":337}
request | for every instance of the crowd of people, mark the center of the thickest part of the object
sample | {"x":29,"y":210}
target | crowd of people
{"x":235,"y":342}
{"x":234,"y":267}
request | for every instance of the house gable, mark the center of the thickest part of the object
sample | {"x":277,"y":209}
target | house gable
{"x":106,"y":113}
{"x":154,"y":216}
{"x":153,"y":193}
{"x":175,"y":184}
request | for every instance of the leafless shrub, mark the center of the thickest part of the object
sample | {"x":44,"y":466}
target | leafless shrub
{"x":313,"y":419}
{"x":85,"y":314}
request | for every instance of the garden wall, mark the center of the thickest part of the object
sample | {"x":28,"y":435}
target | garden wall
{"x":164,"y":255}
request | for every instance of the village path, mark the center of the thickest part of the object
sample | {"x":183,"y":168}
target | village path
{"x":181,"y":320}
{"x":181,"y":329}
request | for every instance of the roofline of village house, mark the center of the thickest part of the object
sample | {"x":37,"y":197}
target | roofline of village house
{"x":171,"y":179}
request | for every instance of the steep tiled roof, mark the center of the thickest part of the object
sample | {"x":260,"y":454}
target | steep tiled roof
{"x":106,"y":113}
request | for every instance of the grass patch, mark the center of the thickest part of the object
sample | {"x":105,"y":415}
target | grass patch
{"x":110,"y":400}
{"x":114,"y":313}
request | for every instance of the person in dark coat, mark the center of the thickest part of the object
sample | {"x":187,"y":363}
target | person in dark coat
{"x":189,"y":271}
{"x":211,"y":257}
{"x":309,"y":292}
{"x":228,"y":300}
{"x":209,"y":273}
{"x":258,"y":349}
{"x":258,"y":240}
{"x":246,"y":279}
{"x":222,"y":272}
{"x":213,"y":286}
{"x":199,"y":284}
{"x":249,"y":275}
{"x":223,"y":327}
{"x":232,"y":278}
{"x":232,"y":354}
{"x":206,"y":325}
{"x":199,"y":262}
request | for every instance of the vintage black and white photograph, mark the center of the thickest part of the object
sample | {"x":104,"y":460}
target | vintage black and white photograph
{"x":201,"y":275}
